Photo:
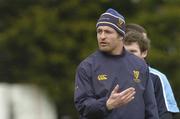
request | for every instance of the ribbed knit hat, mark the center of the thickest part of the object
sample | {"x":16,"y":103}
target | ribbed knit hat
{"x":112,"y":19}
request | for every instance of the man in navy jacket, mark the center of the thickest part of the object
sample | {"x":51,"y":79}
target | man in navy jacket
{"x":112,"y":83}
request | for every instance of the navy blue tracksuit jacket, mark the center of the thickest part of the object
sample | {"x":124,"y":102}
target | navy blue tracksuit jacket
{"x":97,"y":76}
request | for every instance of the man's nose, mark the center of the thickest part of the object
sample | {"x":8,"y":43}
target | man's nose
{"x":102,"y":36}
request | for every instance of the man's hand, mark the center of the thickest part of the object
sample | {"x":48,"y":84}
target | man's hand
{"x":118,"y":99}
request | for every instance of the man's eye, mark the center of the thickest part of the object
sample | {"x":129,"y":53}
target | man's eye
{"x":132,"y":51}
{"x":99,"y":31}
{"x":108,"y":31}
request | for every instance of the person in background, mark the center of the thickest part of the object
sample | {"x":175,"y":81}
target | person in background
{"x":22,"y":99}
{"x":25,"y":101}
{"x":112,"y":83}
{"x":137,"y":42}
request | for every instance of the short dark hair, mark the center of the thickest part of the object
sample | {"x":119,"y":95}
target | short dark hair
{"x":135,"y":27}
{"x":134,"y":36}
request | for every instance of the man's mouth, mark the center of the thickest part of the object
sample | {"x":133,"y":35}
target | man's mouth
{"x":103,"y":43}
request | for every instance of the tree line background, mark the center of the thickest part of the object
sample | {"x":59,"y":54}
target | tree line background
{"x":43,"y":41}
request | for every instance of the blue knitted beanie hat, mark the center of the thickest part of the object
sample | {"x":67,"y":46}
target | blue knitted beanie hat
{"x":112,"y":19}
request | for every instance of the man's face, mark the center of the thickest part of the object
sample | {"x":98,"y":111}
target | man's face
{"x":135,"y":49}
{"x":109,"y":40}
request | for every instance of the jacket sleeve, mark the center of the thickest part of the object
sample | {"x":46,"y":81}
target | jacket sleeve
{"x":151,"y":111}
{"x":164,"y":93}
{"x":84,"y":98}
{"x":159,"y":95}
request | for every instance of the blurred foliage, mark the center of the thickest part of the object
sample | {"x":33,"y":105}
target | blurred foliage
{"x":43,"y":41}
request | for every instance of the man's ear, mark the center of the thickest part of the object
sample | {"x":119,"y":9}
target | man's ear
{"x":121,"y":38}
{"x":144,"y":54}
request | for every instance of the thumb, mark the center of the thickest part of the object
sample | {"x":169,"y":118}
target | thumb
{"x":116,"y":89}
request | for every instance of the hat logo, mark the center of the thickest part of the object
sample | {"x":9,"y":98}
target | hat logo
{"x":120,"y":22}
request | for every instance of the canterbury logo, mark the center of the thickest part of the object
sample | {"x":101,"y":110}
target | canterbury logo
{"x":136,"y":76}
{"x":102,"y":77}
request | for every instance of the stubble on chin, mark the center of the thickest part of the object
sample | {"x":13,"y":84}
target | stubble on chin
{"x":104,"y":49}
